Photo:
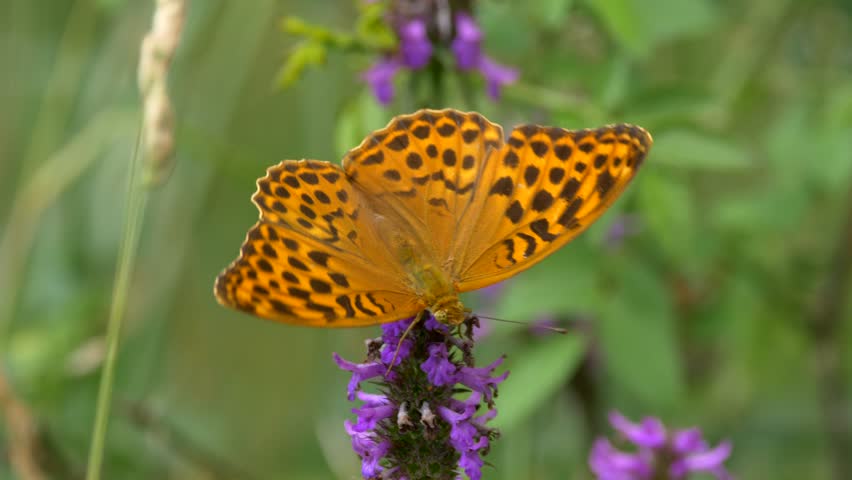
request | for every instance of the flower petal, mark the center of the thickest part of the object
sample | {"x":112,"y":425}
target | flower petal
{"x":649,"y":433}
{"x":414,"y":45}
{"x":610,"y":464}
{"x":380,"y":77}
{"x":709,"y":461}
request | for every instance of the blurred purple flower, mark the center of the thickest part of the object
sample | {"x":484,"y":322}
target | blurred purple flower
{"x":381,"y":434}
{"x":414,"y":52}
{"x":467,"y":48}
{"x":414,"y":44}
{"x":623,"y":227}
{"x":380,"y":78}
{"x":659,"y":454}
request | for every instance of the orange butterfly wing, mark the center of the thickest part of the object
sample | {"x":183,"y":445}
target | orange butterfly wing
{"x":433,"y":204}
{"x":545,"y":187}
{"x":316,"y":256}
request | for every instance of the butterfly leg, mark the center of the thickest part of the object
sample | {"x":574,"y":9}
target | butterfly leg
{"x":417,"y":320}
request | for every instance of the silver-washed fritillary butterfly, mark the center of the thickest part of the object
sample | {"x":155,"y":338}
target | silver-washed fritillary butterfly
{"x":434,"y":204}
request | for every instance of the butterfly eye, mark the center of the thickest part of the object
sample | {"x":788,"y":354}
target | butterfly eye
{"x":441,"y":316}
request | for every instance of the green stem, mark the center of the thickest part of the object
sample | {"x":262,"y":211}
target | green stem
{"x":136,"y":199}
{"x":467,"y":91}
{"x":436,"y":75}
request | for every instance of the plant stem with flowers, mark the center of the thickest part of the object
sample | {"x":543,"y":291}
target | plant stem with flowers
{"x":659,"y":454}
{"x":414,"y":426}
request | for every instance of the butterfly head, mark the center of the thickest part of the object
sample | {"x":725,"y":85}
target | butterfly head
{"x":448,"y":310}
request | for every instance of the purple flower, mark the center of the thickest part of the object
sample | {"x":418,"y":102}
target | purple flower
{"x":414,"y":45}
{"x":467,"y":436}
{"x":375,"y":409}
{"x":380,"y":77}
{"x":360,"y":372}
{"x":650,"y":432}
{"x":623,"y":227}
{"x":659,"y":454}
{"x":391,"y":334}
{"x":414,"y":52}
{"x":434,"y":325}
{"x":413,"y":406}
{"x":480,"y":379}
{"x":369,"y":448}
{"x":467,"y":48}
{"x":467,"y":44}
{"x":439,"y":370}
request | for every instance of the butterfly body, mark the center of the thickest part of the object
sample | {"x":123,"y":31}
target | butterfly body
{"x":435,"y":204}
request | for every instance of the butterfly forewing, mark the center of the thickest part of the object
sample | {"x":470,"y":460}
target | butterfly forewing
{"x":315,"y":256}
{"x":545,"y":186}
{"x":426,"y":167}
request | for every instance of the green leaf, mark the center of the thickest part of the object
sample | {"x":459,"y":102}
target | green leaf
{"x":696,"y":150}
{"x":551,"y":13}
{"x":536,"y":374}
{"x":372,"y":30}
{"x":667,"y":209}
{"x":359,"y":117}
{"x":308,"y":53}
{"x":638,"y":338}
{"x":562,"y":284}
{"x":620,"y":20}
{"x":682,"y":17}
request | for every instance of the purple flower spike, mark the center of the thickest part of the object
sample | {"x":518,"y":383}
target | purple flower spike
{"x":658,"y":454}
{"x":415,"y":428}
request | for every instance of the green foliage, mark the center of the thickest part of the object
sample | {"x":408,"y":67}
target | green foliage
{"x":540,"y":371}
{"x":702,"y":314}
{"x":371,"y":34}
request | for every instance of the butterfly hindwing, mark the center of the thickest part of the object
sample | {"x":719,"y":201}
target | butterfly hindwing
{"x":545,"y":186}
{"x":312,"y":257}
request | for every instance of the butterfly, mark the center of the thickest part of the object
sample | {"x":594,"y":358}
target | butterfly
{"x":435,"y":204}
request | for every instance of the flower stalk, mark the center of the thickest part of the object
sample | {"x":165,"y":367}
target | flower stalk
{"x":424,"y":421}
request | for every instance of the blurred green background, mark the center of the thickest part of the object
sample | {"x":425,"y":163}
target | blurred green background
{"x":726,"y":305}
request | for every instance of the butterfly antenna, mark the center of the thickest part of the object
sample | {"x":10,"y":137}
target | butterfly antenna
{"x":404,"y":335}
{"x":562,"y":331}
